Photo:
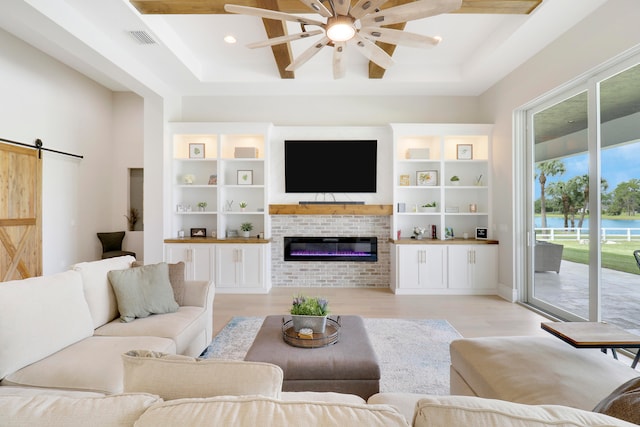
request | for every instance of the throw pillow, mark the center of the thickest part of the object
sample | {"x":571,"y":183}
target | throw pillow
{"x":623,"y":402}
{"x":173,"y":376}
{"x":176,"y":278}
{"x":143,"y":291}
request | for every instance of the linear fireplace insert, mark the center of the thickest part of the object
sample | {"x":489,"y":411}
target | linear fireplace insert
{"x":331,"y":249}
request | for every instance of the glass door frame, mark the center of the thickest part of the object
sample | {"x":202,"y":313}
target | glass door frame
{"x":524,"y":164}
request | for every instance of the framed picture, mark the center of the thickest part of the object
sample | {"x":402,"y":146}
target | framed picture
{"x":427,"y":177}
{"x":213,"y":179}
{"x":482,"y":233}
{"x":198,"y":232}
{"x":405,"y":180}
{"x":245,"y":177}
{"x":196,"y":151}
{"x":464,"y":151}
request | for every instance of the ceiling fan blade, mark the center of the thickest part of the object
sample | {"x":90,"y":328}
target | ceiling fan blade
{"x":410,"y":11}
{"x":307,"y":54}
{"x":398,"y":37}
{"x":318,"y":7}
{"x":373,"y":52}
{"x":365,"y":6}
{"x":270,"y":14}
{"x":339,"y":60}
{"x":341,"y":7}
{"x":284,"y":39}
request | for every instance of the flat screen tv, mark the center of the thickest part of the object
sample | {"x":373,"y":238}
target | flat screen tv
{"x":344,"y":166}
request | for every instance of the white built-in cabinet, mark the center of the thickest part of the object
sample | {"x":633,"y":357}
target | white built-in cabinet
{"x":426,"y":157}
{"x":220,"y":165}
{"x":241,"y":267}
{"x":198,"y":259}
{"x":422,"y":266}
{"x":440,"y":268}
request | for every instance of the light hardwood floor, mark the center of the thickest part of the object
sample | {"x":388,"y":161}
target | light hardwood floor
{"x":472,"y":316}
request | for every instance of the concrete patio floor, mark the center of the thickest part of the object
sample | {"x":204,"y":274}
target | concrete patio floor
{"x":568,"y":290}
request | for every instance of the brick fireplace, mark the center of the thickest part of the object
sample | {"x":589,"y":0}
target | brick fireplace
{"x":347,"y":274}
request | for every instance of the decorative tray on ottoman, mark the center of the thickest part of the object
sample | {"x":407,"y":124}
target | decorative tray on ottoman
{"x":330,"y":336}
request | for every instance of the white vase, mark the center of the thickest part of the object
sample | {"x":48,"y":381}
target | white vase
{"x":246,"y":233}
{"x":317,"y":323}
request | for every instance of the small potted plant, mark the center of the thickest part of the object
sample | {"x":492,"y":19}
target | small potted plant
{"x":428,"y":207}
{"x":418,"y":232}
{"x":202,"y":206}
{"x":455,"y":180}
{"x":242,"y":205}
{"x":246,"y":228}
{"x":309,"y":312}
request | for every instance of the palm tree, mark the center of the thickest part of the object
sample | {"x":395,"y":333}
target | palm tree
{"x":549,"y":168}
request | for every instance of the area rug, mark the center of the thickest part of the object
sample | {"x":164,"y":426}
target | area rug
{"x":413,"y":353}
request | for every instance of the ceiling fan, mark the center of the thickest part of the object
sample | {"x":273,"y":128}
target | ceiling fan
{"x":361,"y":26}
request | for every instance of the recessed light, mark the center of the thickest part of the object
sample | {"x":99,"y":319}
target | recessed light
{"x":230,"y":39}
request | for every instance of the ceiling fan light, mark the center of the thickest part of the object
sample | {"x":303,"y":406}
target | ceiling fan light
{"x":340,"y":29}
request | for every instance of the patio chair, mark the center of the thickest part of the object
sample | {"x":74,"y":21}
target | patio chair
{"x":547,"y":256}
{"x":636,"y":254}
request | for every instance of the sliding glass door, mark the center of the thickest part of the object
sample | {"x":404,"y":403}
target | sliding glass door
{"x":583,"y":205}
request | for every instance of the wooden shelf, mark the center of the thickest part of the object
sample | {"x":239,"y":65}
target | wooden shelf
{"x":251,"y":240}
{"x":408,"y":241}
{"x":331,"y":209}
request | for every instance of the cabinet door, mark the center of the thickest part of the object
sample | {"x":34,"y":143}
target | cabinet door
{"x":240,"y":266}
{"x":421,"y":266}
{"x":202,"y":260}
{"x":460,"y":257}
{"x":250,"y":266}
{"x":485,"y":267}
{"x":473,"y":266}
{"x":226,"y":266}
{"x":198,"y":260}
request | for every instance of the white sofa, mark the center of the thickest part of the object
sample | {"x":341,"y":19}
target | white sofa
{"x":62,"y":331}
{"x":66,"y":360}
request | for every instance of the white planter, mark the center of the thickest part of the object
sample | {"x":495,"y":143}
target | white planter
{"x":245,"y":233}
{"x":317,"y":323}
{"x":425,"y":209}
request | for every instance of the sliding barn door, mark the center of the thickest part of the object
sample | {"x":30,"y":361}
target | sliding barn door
{"x":20,"y":213}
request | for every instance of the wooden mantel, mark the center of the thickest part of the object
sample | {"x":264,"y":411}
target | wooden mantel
{"x":331,"y":209}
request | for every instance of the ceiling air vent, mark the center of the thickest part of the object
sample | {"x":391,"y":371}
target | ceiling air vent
{"x":142,"y":37}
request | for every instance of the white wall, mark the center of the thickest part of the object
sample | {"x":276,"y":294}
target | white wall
{"x":609,"y":31}
{"x":41,"y":98}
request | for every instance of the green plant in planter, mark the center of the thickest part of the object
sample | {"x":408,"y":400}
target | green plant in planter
{"x":309,"y":306}
{"x":429,"y":205}
{"x":246,"y":226}
{"x":454,"y":178}
{"x":243,"y":205}
{"x":202,"y":205}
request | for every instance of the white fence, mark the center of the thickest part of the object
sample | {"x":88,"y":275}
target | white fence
{"x":619,"y":234}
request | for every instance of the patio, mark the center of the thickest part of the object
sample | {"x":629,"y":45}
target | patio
{"x":568,"y":290}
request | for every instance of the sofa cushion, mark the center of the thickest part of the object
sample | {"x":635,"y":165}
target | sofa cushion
{"x":405,"y":403}
{"x":39,"y":316}
{"x":175,"y":377}
{"x":97,"y":289}
{"x":623,"y":402}
{"x":537,"y":370}
{"x":93,"y":364}
{"x":52,"y":410}
{"x":251,"y":411}
{"x":176,"y":278}
{"x":447,"y":411}
{"x":182,"y":327}
{"x":143,"y":291}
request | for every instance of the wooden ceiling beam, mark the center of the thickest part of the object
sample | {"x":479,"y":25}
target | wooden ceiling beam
{"x":181,"y":7}
{"x":274,"y":28}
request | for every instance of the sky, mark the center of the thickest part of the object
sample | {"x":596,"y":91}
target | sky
{"x":619,"y":164}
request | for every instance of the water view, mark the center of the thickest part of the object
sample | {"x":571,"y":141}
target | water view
{"x":613,"y":226}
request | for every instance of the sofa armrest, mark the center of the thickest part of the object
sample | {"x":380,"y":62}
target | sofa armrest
{"x":198,"y":293}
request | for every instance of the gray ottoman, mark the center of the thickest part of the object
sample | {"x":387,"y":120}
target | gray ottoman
{"x":348,"y":366}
